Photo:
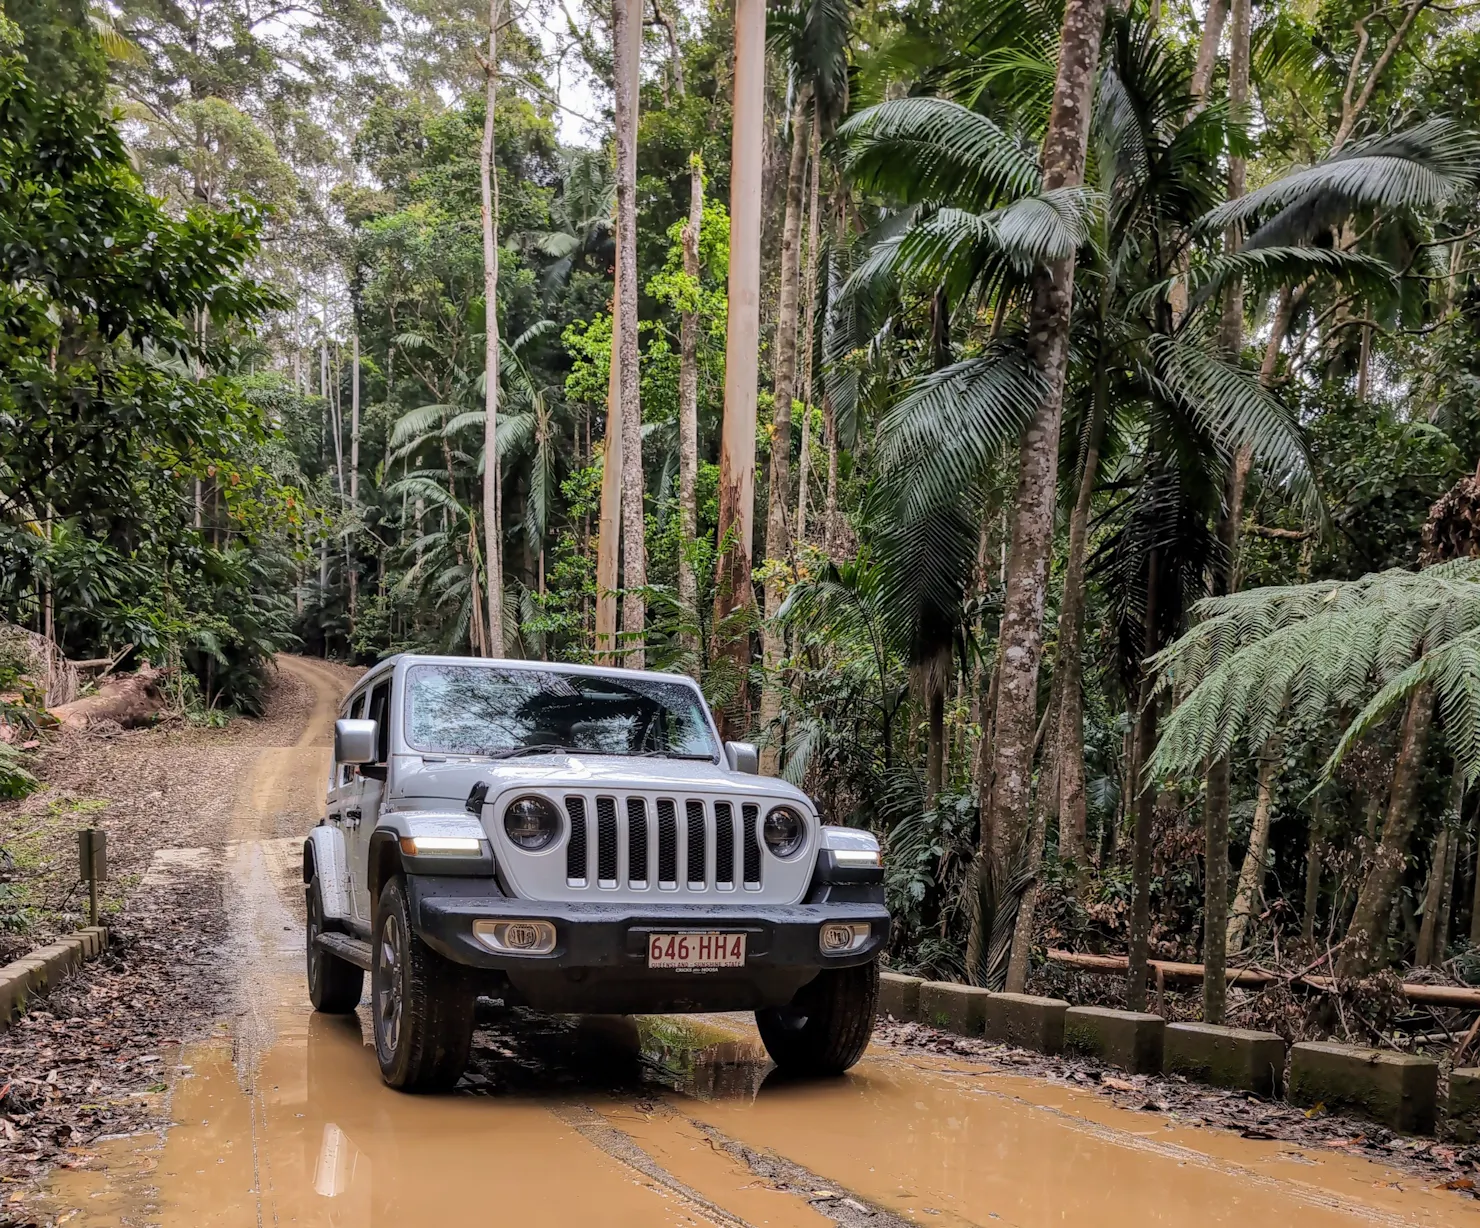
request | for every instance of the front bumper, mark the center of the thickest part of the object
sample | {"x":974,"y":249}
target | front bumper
{"x":615,"y":936}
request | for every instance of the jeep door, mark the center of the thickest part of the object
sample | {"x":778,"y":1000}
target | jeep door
{"x":364,"y":811}
{"x":344,"y":793}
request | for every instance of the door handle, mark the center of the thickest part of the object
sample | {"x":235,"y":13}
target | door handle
{"x":352,"y":817}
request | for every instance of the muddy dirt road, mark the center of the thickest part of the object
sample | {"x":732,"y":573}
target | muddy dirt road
{"x":281,"y":1118}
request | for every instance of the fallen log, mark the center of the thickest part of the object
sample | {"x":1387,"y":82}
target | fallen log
{"x":1427,"y":995}
{"x":126,"y":699}
{"x":1169,"y":969}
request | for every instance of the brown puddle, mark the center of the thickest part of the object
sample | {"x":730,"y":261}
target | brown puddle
{"x":946,"y":1144}
{"x":312,"y":1137}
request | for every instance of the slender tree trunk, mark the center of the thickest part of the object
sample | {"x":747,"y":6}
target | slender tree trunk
{"x":1215,"y":812}
{"x":1005,"y":814}
{"x":1045,"y":802}
{"x":354,"y":479}
{"x":1433,"y":939}
{"x":935,"y":674}
{"x":809,"y":326}
{"x":733,"y":591}
{"x":627,"y":32}
{"x":1475,"y":890}
{"x":1069,"y":665}
{"x":1251,"y":876}
{"x":1424,"y":953}
{"x":1367,"y":933}
{"x":688,"y":373}
{"x":688,"y":415}
{"x":1446,"y":899}
{"x":608,"y":530}
{"x":492,"y":519}
{"x":778,"y":544}
{"x":1143,"y":809}
{"x":830,"y":497}
{"x":1313,"y":849}
{"x":1207,"y":52}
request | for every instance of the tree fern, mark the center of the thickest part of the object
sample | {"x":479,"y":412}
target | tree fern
{"x":1259,"y":658}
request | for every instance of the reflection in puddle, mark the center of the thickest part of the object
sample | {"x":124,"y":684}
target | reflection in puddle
{"x":523,"y":1052}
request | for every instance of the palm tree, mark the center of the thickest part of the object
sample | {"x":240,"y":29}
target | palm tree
{"x":583,"y":213}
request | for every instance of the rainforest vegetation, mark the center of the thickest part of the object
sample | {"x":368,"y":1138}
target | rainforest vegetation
{"x":1048,"y":428}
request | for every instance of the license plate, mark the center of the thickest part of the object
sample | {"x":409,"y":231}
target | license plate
{"x":693,"y":952}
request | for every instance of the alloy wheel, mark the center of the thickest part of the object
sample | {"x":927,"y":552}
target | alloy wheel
{"x":391,"y":956}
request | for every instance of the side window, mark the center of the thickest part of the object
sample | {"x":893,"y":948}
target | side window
{"x":379,"y":712}
{"x":356,"y":712}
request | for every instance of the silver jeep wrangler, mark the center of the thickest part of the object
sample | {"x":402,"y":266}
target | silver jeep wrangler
{"x":579,"y":840}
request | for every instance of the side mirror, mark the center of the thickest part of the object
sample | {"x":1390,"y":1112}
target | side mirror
{"x":354,"y":741}
{"x":743,"y":757}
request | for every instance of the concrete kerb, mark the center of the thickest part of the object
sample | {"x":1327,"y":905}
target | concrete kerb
{"x":1397,"y":1089}
{"x":1235,"y":1058}
{"x":1462,"y":1109}
{"x":1128,"y":1039}
{"x":1025,"y":1021}
{"x":955,"y":1008}
{"x":899,"y":996}
{"x":42,"y":969}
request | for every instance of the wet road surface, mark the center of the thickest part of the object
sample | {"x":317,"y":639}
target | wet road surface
{"x":281,"y":1118}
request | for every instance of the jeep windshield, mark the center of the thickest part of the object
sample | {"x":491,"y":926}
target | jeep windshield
{"x":503,"y":712}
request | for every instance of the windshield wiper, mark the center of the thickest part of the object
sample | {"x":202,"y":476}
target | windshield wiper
{"x":668,"y":754}
{"x":537,"y":748}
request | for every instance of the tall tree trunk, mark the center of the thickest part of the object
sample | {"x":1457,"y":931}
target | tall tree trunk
{"x":1231,"y":336}
{"x":1367,"y":933}
{"x":1251,"y":875}
{"x":1207,"y":52}
{"x":1424,"y":953}
{"x":733,"y":591}
{"x":830,"y":495}
{"x":778,"y":544}
{"x":609,"y":523}
{"x":1475,"y":890}
{"x":354,"y":479}
{"x":1313,"y":850}
{"x":492,"y":520}
{"x":1433,"y":939}
{"x":1069,"y":666}
{"x":1005,"y":812}
{"x":1143,"y":808}
{"x":1046,"y":801}
{"x":688,"y":416}
{"x":935,"y":674}
{"x":688,"y":373}
{"x":809,"y":325}
{"x":627,"y":33}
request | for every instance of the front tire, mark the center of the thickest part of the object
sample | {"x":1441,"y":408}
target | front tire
{"x":826,"y":1027}
{"x":334,"y":986}
{"x":421,"y":1004}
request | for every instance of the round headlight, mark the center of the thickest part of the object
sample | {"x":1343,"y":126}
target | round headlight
{"x":532,"y":822}
{"x":784,"y":831}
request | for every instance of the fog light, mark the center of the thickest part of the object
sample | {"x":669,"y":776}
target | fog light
{"x":838,"y":938}
{"x":516,"y":937}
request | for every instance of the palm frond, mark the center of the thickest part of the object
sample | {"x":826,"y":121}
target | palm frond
{"x":932,"y":149}
{"x":1424,"y":167}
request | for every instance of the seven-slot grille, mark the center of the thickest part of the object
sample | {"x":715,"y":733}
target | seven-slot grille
{"x":693,"y":842}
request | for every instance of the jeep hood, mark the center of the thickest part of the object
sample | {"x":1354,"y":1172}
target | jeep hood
{"x":418,"y":780}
